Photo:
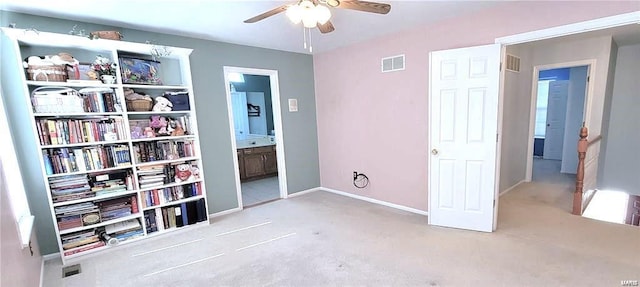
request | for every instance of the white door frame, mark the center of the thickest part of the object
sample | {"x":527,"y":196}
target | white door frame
{"x":586,"y":113}
{"x":536,"y":35}
{"x":553,"y":32}
{"x":277,"y":123}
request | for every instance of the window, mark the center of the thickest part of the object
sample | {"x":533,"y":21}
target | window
{"x":541,"y":109}
{"x":11,"y":181}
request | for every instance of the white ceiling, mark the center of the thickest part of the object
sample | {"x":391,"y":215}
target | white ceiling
{"x":223,"y":20}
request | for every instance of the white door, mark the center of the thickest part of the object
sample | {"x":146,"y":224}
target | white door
{"x":240,"y":115}
{"x":464,"y":87}
{"x":556,"y":113}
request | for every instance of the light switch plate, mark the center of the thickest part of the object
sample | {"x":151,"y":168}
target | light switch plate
{"x":293,"y":105}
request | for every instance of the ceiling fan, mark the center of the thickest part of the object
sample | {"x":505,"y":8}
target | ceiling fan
{"x":314,"y":13}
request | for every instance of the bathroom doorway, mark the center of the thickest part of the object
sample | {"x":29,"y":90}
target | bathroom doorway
{"x":255,"y":122}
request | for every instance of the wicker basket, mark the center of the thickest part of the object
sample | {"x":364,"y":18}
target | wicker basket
{"x":109,"y":35}
{"x":139,"y":105}
{"x":57,"y":100}
{"x":48,"y":73}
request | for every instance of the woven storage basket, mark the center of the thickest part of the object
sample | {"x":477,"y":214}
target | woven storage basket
{"x":48,"y":73}
{"x":56,"y":100}
{"x":139,"y":105}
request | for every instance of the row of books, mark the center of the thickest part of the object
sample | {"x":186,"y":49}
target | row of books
{"x":162,"y":150}
{"x":88,"y":213}
{"x":118,"y":207}
{"x":100,"y":101}
{"x":186,"y":213}
{"x":125,"y":230}
{"x":80,"y":241}
{"x":73,"y":187}
{"x":77,"y":215}
{"x":85,"y":240}
{"x":73,"y":131}
{"x":65,"y":160}
{"x":169,"y":194}
{"x":160,"y":174}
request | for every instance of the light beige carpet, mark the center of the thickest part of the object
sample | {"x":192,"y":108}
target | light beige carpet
{"x":323,"y":239}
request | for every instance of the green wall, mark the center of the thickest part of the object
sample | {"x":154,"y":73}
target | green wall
{"x":295,"y":72}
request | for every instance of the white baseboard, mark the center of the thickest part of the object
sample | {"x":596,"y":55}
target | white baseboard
{"x":303,"y":192}
{"x":380,"y":202}
{"x":50,"y":256}
{"x":512,"y":187}
{"x":225,"y":212}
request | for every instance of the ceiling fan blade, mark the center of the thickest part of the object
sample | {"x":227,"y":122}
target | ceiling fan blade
{"x":326,"y":27}
{"x":267,"y":14}
{"x":365,"y":6}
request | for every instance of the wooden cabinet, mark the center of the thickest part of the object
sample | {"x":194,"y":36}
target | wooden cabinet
{"x":257,"y":162}
{"x":241,"y":164}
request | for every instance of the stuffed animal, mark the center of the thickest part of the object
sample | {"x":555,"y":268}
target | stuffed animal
{"x":136,"y":132}
{"x":162,"y":105}
{"x":175,"y":128}
{"x":149,"y":133}
{"x":183,"y":172}
{"x":162,"y":130}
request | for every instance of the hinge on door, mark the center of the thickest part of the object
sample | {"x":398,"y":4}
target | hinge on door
{"x":500,"y":67}
{"x":494,"y":203}
{"x":588,"y":77}
{"x":497,"y":137}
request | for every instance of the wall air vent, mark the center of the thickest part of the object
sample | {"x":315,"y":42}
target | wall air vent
{"x":394,"y":63}
{"x":513,"y":63}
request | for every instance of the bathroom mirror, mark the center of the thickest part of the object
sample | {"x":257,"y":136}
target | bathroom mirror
{"x":251,"y":104}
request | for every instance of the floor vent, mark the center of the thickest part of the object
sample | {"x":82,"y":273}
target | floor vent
{"x":395,"y":63}
{"x":71,"y":270}
{"x":513,"y":63}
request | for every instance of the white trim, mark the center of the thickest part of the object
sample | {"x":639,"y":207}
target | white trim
{"x":25,"y":226}
{"x":224,"y":212}
{"x":564,"y":30}
{"x":586,"y":113}
{"x":512,"y":187}
{"x":501,"y":85}
{"x":277,"y":125}
{"x":303,"y":192}
{"x":41,"y":271}
{"x":380,"y":202}
{"x":50,"y":256}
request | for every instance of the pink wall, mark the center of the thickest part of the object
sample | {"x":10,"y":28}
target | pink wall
{"x":17,"y":266}
{"x":376,"y":123}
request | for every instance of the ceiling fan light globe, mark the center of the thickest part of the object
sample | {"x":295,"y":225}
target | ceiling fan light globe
{"x":309,"y":21}
{"x":322,"y":14}
{"x":294,"y":13}
{"x":306,"y":4}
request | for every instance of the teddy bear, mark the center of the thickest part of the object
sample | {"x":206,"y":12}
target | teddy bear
{"x":162,"y":105}
{"x":183,"y":172}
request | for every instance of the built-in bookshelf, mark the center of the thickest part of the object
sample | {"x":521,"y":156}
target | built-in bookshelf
{"x":114,"y":172}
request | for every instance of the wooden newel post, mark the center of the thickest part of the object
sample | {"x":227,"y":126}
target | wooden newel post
{"x":582,"y":152}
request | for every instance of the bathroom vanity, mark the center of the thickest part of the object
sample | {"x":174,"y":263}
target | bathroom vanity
{"x":257,"y":158}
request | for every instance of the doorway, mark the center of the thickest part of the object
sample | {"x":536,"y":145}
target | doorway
{"x":560,"y":94}
{"x":255,"y":122}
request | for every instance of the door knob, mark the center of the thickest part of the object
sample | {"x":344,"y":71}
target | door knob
{"x":434,"y":151}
